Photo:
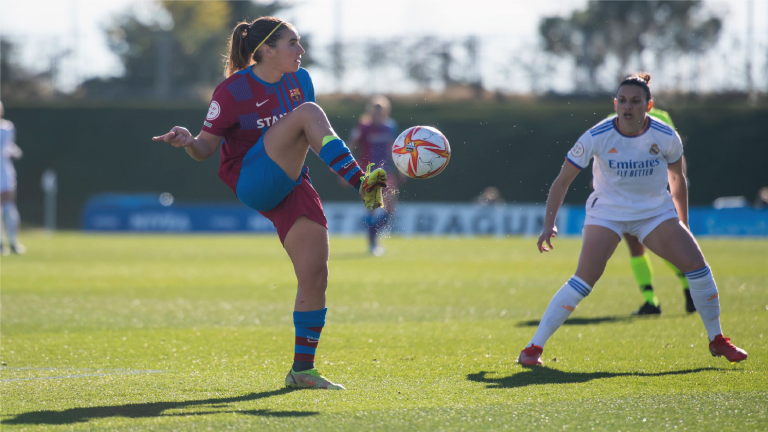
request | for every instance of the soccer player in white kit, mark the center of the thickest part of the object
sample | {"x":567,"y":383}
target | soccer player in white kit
{"x":9,"y":151}
{"x":635,"y":158}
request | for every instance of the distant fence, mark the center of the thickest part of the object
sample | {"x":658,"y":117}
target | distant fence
{"x":411,"y":219}
{"x":515,"y":146}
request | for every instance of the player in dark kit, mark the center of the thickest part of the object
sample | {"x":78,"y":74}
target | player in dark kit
{"x":373,"y":137}
{"x":265,"y":120}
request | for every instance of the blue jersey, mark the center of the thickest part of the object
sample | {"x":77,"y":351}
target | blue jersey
{"x":243,"y":107}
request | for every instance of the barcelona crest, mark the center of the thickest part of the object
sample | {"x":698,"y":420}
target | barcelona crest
{"x":295,"y":94}
{"x":654,"y":149}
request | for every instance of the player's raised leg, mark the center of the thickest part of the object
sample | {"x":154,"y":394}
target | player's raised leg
{"x":307,"y":246}
{"x":598,"y":246}
{"x":675,"y":243}
{"x":289,"y":139}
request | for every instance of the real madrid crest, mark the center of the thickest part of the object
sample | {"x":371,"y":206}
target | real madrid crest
{"x":654,"y":149}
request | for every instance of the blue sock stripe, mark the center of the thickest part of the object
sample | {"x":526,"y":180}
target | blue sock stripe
{"x":351,"y":172}
{"x":579,"y":287}
{"x":340,"y":164}
{"x":310,"y":318}
{"x":307,"y":333}
{"x":698,"y":274}
{"x":333,"y":149}
{"x":304,"y":350}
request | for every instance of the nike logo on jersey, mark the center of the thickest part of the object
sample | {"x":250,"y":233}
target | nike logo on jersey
{"x":613,"y":150}
{"x":260,"y":104}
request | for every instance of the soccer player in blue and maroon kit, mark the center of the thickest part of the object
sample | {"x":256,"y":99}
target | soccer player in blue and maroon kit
{"x":265,"y":119}
{"x":373,"y":138}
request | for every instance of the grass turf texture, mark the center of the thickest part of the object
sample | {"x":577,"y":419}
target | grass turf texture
{"x":195,"y":332}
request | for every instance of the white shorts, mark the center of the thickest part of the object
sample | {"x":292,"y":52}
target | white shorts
{"x":639,"y":228}
{"x":7,"y":182}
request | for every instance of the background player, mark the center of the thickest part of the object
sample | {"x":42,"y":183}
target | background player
{"x":264,"y":117}
{"x":636,"y":158}
{"x":373,"y":137}
{"x":639,"y":260}
{"x":8,"y":152}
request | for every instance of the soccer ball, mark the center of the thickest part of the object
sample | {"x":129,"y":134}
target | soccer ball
{"x":421,"y":152}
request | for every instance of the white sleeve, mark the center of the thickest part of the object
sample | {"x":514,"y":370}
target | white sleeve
{"x":674,"y":151}
{"x":581,"y":152}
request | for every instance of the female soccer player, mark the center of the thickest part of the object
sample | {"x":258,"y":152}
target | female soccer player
{"x":264,"y":116}
{"x":373,"y":138}
{"x":8,"y":152}
{"x":635,"y":158}
{"x":639,"y":260}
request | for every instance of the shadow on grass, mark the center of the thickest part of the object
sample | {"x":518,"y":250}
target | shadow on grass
{"x":152,"y":409}
{"x":584,"y":321}
{"x":545,"y":375}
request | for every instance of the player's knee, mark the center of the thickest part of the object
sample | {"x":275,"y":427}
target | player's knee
{"x":314,"y":277}
{"x":310,"y":110}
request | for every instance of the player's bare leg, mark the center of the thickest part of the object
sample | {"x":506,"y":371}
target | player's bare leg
{"x":307,"y":246}
{"x":596,"y":249}
{"x":288,"y":140}
{"x":672,"y":241}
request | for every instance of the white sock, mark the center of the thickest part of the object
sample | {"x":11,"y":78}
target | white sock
{"x":706,"y":299}
{"x":563,"y":303}
{"x":11,"y":221}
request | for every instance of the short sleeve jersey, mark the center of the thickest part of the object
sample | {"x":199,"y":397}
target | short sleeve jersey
{"x":375,"y":141}
{"x":630,"y":171}
{"x":242,"y":109}
{"x":7,"y":140}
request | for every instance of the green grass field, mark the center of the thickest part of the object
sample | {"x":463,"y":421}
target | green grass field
{"x":195,"y":333}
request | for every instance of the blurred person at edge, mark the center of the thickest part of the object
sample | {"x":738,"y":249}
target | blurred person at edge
{"x":9,"y":152}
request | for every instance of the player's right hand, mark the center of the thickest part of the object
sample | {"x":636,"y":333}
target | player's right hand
{"x":177,"y":137}
{"x":546,"y":236}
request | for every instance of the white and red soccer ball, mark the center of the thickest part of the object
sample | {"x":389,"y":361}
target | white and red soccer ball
{"x":421,"y":152}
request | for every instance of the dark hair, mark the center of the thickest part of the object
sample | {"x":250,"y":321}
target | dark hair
{"x":640,"y":79}
{"x":246,"y":37}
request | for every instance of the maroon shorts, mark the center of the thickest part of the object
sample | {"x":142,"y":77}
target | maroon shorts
{"x":303,"y":200}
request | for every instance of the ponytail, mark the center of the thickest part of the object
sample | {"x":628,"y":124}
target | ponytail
{"x":239,"y":56}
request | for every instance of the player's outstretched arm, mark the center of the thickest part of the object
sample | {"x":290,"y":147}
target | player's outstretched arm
{"x":678,"y":187}
{"x":555,"y":199}
{"x":200,"y":147}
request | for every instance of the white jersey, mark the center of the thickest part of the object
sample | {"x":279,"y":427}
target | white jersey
{"x":7,"y":150}
{"x":630,"y":171}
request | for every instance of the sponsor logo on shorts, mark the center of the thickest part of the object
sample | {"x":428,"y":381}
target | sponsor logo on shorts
{"x":213,"y":111}
{"x":207,"y":124}
{"x":577,"y":150}
{"x":654,"y":149}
